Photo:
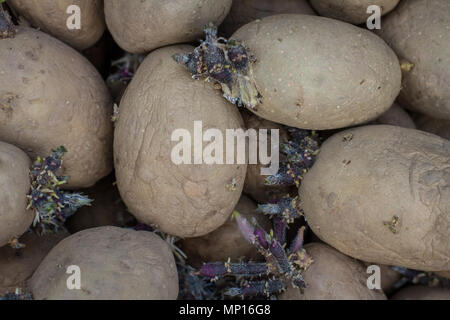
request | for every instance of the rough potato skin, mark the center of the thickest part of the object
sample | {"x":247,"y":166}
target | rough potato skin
{"x":14,"y":186}
{"x":245,"y":11}
{"x":226,"y":241}
{"x":422,"y":293}
{"x":53,"y":96}
{"x":418,"y":33}
{"x":51,"y":17}
{"x":396,"y":116}
{"x":318,"y":73}
{"x":17,"y":265}
{"x":352,"y":11}
{"x":333,"y":276}
{"x":185,"y":200}
{"x":115,"y":263}
{"x":436,"y":126}
{"x":366,"y":176}
{"x":141,"y":26}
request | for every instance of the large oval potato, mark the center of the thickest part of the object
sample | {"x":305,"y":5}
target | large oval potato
{"x":51,"y":97}
{"x":319,"y":73}
{"x":51,"y":17}
{"x":141,"y":26}
{"x":422,"y":293}
{"x":353,"y":11}
{"x":227,"y":241}
{"x":382,"y":194}
{"x":333,"y":276}
{"x":418,"y":32}
{"x":114,"y":264}
{"x":245,"y":11}
{"x":185,"y":200}
{"x":14,"y":187}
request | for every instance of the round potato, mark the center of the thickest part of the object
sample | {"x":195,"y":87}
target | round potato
{"x":436,"y":126}
{"x":17,"y":265}
{"x":396,"y":116}
{"x":418,"y":32}
{"x":422,"y":293}
{"x":52,"y":17}
{"x":114,"y":264}
{"x":245,"y":11}
{"x":382,"y":194}
{"x":14,"y":185}
{"x":353,"y":11}
{"x":318,"y":73}
{"x":51,"y":97}
{"x":186,"y":200}
{"x":226,"y":242}
{"x":153,"y":23}
{"x":333,"y":276}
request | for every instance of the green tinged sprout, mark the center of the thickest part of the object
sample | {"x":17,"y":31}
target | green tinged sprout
{"x":52,"y":206}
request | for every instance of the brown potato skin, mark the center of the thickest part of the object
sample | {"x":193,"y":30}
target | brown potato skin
{"x":352,"y":11}
{"x":422,"y":293}
{"x":396,"y":116}
{"x":226,"y":241}
{"x":140,"y":27}
{"x":53,"y":96}
{"x":115,"y":263}
{"x":417,"y":30}
{"x":183,"y":200}
{"x":51,"y":17}
{"x":245,"y":11}
{"x":333,"y":276}
{"x":17,"y":265}
{"x":445,"y":274}
{"x":436,"y":126}
{"x":365,"y":176}
{"x":304,"y":67}
{"x":14,"y":185}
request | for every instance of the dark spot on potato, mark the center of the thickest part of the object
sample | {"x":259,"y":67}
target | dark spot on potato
{"x":346,"y":162}
{"x":31,"y":55}
{"x":362,"y":81}
{"x":21,"y":66}
{"x":348,"y":137}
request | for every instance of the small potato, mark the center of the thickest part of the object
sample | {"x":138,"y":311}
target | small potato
{"x":396,"y":116}
{"x":422,"y":293}
{"x":115,"y":264}
{"x":17,"y":265}
{"x":445,"y":274}
{"x":186,"y":200}
{"x":436,"y":126}
{"x":417,"y":30}
{"x":318,"y":73}
{"x":141,"y":26}
{"x":333,"y":276}
{"x":353,"y":11}
{"x":382,"y":194}
{"x":14,"y":187}
{"x":51,"y":97}
{"x":245,"y":11}
{"x":226,"y":241}
{"x":52,"y":17}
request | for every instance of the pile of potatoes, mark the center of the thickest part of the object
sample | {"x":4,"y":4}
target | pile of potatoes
{"x":377,"y":194}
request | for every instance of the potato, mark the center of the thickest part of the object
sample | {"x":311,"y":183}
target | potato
{"x":353,"y":11}
{"x":106,"y":210}
{"x":185,"y":200}
{"x":422,"y":293}
{"x":382,"y":194}
{"x":444,"y":274}
{"x":333,"y":276}
{"x":17,"y":265}
{"x":396,"y":116}
{"x":53,"y":96}
{"x":436,"y":126}
{"x":52,"y":17}
{"x":226,"y":241}
{"x":318,"y":73}
{"x":254,"y":184}
{"x":245,"y":11}
{"x":418,"y":32}
{"x":14,"y":187}
{"x":114,"y":263}
{"x":140,"y":27}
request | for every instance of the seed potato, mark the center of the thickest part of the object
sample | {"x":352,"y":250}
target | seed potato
{"x":396,"y":116}
{"x":436,"y":126}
